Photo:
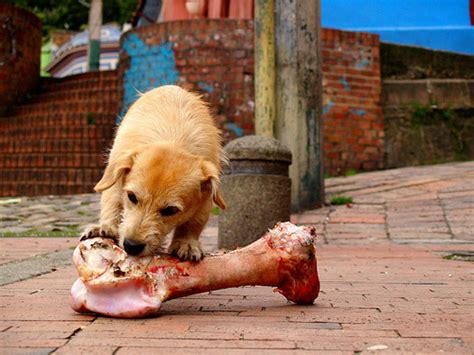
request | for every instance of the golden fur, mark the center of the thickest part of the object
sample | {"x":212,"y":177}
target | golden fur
{"x":167,"y":153}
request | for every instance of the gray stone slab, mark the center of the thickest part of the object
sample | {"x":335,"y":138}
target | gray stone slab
{"x":38,"y":265}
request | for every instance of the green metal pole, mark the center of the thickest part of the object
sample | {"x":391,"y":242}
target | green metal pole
{"x":94,"y":54}
{"x":95,"y":25}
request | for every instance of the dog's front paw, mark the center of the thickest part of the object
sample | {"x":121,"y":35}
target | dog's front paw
{"x":100,"y":231}
{"x":188,"y":249}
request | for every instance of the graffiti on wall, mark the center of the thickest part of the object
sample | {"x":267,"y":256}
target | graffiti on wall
{"x":151,"y":66}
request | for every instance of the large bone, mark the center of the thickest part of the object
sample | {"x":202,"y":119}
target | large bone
{"x":117,"y":285}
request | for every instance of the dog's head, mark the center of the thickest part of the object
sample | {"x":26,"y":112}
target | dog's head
{"x":163,"y":187}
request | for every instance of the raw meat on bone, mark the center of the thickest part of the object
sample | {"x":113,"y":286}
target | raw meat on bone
{"x":117,"y":285}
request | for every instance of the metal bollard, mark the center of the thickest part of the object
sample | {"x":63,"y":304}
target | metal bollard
{"x":256,"y":188}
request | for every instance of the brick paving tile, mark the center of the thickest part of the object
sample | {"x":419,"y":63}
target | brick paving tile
{"x":310,"y":218}
{"x":25,"y":351}
{"x":69,"y":349}
{"x":421,"y":227}
{"x":12,"y":249}
{"x":454,"y":194}
{"x":147,"y":350}
{"x":415,"y":235}
{"x":359,"y":241}
{"x":366,"y":220}
{"x":362,"y":228}
{"x":407,"y":220}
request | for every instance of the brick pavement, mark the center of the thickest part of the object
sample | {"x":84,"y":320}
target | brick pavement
{"x":385,"y":284}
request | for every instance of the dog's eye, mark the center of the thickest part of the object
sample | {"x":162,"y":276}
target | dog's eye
{"x":133,"y":199}
{"x":169,"y":211}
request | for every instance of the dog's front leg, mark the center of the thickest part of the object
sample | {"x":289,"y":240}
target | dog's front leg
{"x":110,"y":215}
{"x":186,"y":244}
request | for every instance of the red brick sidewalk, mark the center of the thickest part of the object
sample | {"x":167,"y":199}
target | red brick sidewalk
{"x":384,"y":281}
{"x":404,"y":298}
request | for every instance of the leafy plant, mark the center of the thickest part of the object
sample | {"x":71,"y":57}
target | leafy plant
{"x":351,"y":172}
{"x":431,"y":114}
{"x":72,"y":14}
{"x":91,"y":119}
{"x":428,"y":114}
{"x":340,"y":200}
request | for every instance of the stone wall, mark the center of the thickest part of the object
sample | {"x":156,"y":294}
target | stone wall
{"x":428,"y":102}
{"x":20,"y":48}
{"x":410,"y":63}
{"x":215,"y":57}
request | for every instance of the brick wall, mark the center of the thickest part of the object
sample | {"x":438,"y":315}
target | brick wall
{"x":353,"y":127}
{"x":56,"y":142}
{"x":215,"y":57}
{"x":20,"y":46}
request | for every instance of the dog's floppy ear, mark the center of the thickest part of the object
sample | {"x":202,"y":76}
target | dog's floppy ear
{"x":115,"y":170}
{"x":211,"y":182}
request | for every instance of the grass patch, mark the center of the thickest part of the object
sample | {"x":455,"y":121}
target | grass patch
{"x":33,"y":232}
{"x":460,"y":256}
{"x":351,"y":172}
{"x":215,"y":211}
{"x":81,"y":213}
{"x":327,"y":176}
{"x":341,"y":200}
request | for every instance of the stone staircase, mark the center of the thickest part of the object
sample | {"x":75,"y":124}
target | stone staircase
{"x":55,"y":141}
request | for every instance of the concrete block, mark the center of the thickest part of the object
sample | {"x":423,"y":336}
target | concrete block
{"x":404,"y":92}
{"x":449,"y":93}
{"x":256,"y":188}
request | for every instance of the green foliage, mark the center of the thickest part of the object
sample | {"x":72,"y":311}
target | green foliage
{"x":429,"y":114}
{"x":327,"y":176}
{"x":72,"y":15}
{"x":33,"y":232}
{"x":216,"y":211}
{"x":340,"y":200}
{"x":351,"y":172}
{"x":461,"y":256}
{"x":91,"y":120}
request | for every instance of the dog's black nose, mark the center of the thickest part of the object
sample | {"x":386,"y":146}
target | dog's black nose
{"x":133,"y":248}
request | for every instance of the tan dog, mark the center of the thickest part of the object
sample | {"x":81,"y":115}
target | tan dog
{"x":162,"y":175}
